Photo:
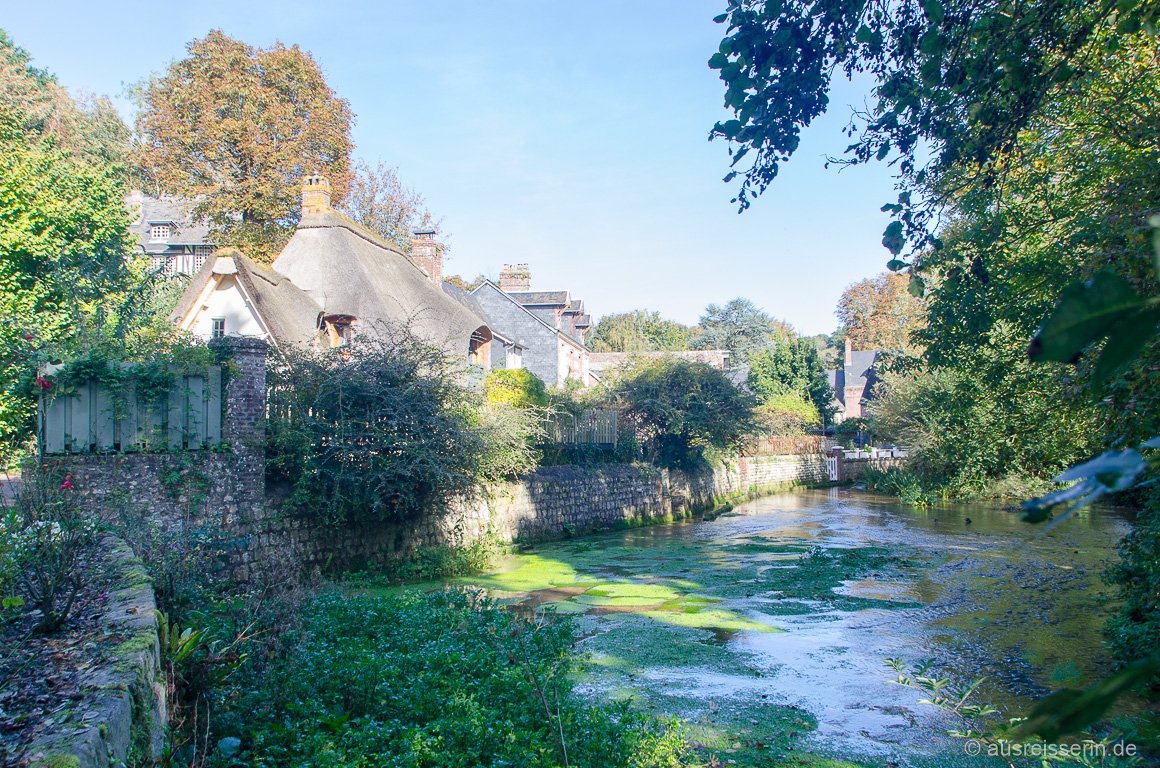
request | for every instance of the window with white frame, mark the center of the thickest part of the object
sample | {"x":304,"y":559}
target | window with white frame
{"x":219,"y":328}
{"x":159,"y":232}
{"x":515,"y":357}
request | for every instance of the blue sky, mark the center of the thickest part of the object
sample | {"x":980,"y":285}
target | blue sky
{"x":571,"y":136}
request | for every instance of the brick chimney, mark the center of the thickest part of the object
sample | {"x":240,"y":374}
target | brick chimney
{"x":515,"y":278}
{"x":849,"y":352}
{"x":315,"y":194}
{"x":428,"y":254}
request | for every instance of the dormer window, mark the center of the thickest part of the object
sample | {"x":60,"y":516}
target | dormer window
{"x":339,"y":329}
{"x":159,"y":232}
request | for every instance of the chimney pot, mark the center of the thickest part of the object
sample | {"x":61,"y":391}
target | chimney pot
{"x":315,"y":194}
{"x":849,"y":352}
{"x":515,"y":278}
{"x":428,"y":254}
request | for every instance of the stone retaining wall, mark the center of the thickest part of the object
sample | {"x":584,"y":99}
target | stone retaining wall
{"x":549,"y":502}
{"x":225,"y":490}
{"x":853,"y":469}
{"x":123,"y":709}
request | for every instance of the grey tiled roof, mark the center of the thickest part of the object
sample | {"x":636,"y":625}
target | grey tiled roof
{"x":144,"y":209}
{"x":860,"y":370}
{"x":464,"y":298}
{"x":540,"y":298}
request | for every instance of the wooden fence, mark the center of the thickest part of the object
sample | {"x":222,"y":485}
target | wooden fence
{"x":592,"y":427}
{"x":772,"y":445}
{"x":96,"y":419}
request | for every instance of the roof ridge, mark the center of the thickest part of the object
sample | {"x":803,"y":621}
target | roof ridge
{"x":358,"y":230}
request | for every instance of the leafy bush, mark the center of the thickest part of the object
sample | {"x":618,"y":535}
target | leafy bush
{"x":910,"y":487}
{"x":788,"y":414}
{"x":45,"y":535}
{"x":1134,"y":633}
{"x":441,"y":680}
{"x":967,"y":428}
{"x":678,"y":409}
{"x":441,"y":562}
{"x":517,"y":387}
{"x":381,"y":429}
{"x":183,"y":557}
{"x":509,"y":436}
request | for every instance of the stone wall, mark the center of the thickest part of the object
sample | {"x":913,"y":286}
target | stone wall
{"x":225,"y":490}
{"x":550,"y":502}
{"x":122,"y":712}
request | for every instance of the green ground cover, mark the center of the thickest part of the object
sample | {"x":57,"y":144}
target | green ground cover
{"x":653,"y":608}
{"x":446,"y":679}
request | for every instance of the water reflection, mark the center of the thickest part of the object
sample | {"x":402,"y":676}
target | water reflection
{"x":699,"y":619}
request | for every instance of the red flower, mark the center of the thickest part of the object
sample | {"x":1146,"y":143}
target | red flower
{"x":66,"y":484}
{"x":28,"y":337}
{"x":43,"y":383}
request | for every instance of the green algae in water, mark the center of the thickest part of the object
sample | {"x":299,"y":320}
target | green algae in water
{"x":710,"y":619}
{"x":616,"y":602}
{"x":532,"y":573}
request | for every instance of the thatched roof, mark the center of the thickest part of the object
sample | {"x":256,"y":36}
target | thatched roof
{"x":347,"y":270}
{"x":285,"y":310}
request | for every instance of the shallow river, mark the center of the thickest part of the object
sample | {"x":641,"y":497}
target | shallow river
{"x":768,"y":628}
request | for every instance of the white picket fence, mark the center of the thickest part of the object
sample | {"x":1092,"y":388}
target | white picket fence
{"x":833,"y":471}
{"x":95,"y":419}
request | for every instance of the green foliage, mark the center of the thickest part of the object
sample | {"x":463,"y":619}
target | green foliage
{"x":791,"y":366}
{"x":510,"y":421}
{"x":62,"y":260}
{"x":1105,"y":305}
{"x":967,"y":427}
{"x":911,"y":488}
{"x":517,"y":387}
{"x":638,"y":331}
{"x":788,"y":414}
{"x":740,"y":327}
{"x":184,"y":557}
{"x":47,"y":535}
{"x":87,"y":129}
{"x":959,"y":79}
{"x":430,"y":563}
{"x":679,"y":409}
{"x":1134,"y":633}
{"x":381,"y":430}
{"x":510,"y":436}
{"x":446,"y":679}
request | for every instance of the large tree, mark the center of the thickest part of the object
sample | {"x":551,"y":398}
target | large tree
{"x":741,"y":327}
{"x":87,"y":129}
{"x":880,"y":313}
{"x":956,"y":83}
{"x":63,"y":264}
{"x":638,"y":331}
{"x":382,"y":203}
{"x":238,"y":127}
{"x":791,"y":367}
